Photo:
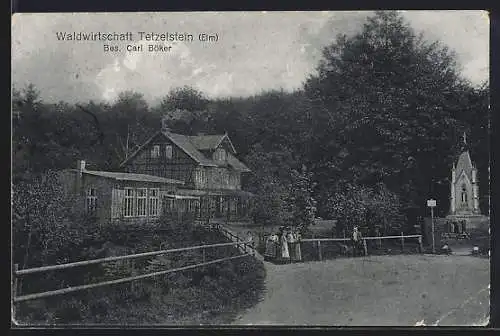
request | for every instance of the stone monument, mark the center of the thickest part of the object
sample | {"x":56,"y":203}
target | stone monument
{"x":465,"y":213}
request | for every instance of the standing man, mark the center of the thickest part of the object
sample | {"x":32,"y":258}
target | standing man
{"x":355,"y":241}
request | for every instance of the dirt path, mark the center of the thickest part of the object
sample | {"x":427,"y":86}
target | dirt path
{"x":377,"y":290}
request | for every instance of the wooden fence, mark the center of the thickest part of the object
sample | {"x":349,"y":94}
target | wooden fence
{"x":402,"y":238}
{"x":19,"y":273}
{"x":244,"y":246}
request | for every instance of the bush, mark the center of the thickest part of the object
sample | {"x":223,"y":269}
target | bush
{"x":367,"y":208}
{"x":200,"y":295}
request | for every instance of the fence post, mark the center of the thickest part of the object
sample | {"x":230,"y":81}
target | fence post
{"x":365,"y":247}
{"x":203,"y":251}
{"x":320,"y":254}
{"x":420,"y":244}
{"x":402,"y":242}
{"x":14,"y":280}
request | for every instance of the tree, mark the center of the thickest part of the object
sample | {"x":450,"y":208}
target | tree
{"x":301,"y":203}
{"x":127,"y":124}
{"x":184,"y":98}
{"x":367,"y":207}
{"x":187,"y":110}
{"x":271,"y":180}
{"x":388,"y":100}
{"x":46,"y":226}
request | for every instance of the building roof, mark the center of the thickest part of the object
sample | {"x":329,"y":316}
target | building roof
{"x":192,"y":146}
{"x":204,"y":142}
{"x":236,"y":164}
{"x":210,"y":142}
{"x":464,"y":163}
{"x":188,"y":147}
{"x":215,"y":192}
{"x":131,"y":177}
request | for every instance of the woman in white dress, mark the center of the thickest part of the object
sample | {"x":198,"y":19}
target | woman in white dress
{"x":285,"y":254}
{"x":298,"y":252}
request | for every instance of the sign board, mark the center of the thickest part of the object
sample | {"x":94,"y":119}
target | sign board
{"x":431,"y":203}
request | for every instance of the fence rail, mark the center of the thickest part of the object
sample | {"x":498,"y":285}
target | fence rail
{"x":402,"y":237}
{"x":18,"y":273}
{"x":119,"y":281}
{"x":238,"y":240}
{"x":117,"y":258}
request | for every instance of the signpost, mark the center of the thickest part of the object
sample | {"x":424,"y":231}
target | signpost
{"x":431,"y":204}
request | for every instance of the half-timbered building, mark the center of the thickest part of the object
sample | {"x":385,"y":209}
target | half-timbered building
{"x":208,"y":166}
{"x":171,"y":174}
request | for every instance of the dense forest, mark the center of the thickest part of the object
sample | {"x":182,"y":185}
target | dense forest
{"x":369,"y":137}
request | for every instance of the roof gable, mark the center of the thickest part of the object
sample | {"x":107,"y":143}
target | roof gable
{"x":464,"y":164}
{"x":194,"y":146}
{"x":180,"y":141}
{"x":138,"y":150}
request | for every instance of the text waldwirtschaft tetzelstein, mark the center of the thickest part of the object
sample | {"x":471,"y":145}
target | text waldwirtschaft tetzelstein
{"x":130,"y":36}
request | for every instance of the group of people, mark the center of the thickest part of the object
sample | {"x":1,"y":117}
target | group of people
{"x":284,"y":246}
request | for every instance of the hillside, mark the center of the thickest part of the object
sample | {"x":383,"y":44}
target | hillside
{"x":209,"y":295}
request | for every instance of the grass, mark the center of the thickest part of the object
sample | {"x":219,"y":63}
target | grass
{"x":374,"y":290}
{"x":208,"y":295}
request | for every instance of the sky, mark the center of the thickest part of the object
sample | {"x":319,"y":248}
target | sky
{"x":254,"y":51}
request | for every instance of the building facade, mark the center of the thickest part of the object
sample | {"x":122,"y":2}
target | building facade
{"x":115,"y":196}
{"x":170,"y":174}
{"x":208,"y":166}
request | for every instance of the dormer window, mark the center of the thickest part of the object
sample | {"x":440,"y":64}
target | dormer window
{"x":220,"y":154}
{"x":155,"y":151}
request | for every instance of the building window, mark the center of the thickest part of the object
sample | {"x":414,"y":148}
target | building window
{"x":199,"y":177}
{"x":220,"y":154}
{"x":155,"y":151}
{"x":129,"y":202}
{"x":91,"y":201}
{"x":168,"y":152}
{"x":153,"y":202}
{"x":141,"y":194}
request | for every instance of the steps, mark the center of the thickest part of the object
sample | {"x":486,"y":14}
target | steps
{"x":243,"y":248}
